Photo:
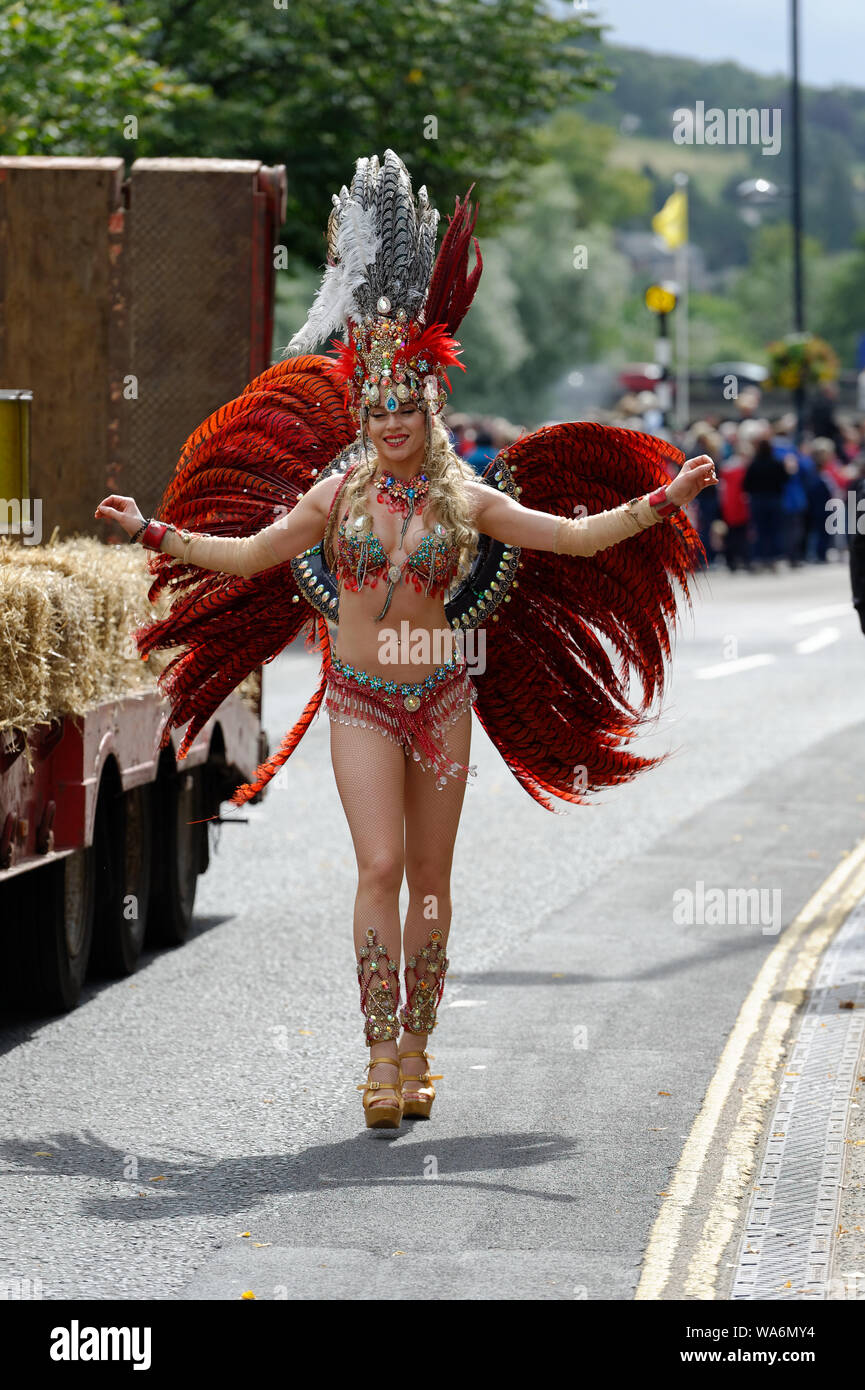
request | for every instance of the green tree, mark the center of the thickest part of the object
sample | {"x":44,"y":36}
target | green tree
{"x":557,"y":288}
{"x":840,"y":316}
{"x":582,"y":151}
{"x":763,"y":291}
{"x":73,"y":75}
{"x":457,"y":87}
{"x":831,"y":210}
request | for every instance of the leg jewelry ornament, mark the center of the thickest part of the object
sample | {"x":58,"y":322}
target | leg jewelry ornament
{"x":379,"y":991}
{"x":379,"y":1002}
{"x":423,"y":997}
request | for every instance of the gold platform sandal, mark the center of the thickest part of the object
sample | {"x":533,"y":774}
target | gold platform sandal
{"x":419,"y":1016}
{"x":378,"y":978}
{"x":414,"y":1103}
{"x":382,"y":1114}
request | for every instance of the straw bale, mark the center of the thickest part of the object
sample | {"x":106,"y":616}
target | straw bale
{"x":67,"y":612}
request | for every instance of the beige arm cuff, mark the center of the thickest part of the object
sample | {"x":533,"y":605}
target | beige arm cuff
{"x":587,"y":534}
{"x":246,"y":555}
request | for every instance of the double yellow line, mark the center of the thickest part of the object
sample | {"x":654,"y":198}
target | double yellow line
{"x":785,"y":975}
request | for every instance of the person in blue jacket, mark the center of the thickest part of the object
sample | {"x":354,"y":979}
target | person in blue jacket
{"x":795,"y":508}
{"x":483,"y":451}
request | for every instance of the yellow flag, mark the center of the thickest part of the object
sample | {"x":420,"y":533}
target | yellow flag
{"x":671,"y":222}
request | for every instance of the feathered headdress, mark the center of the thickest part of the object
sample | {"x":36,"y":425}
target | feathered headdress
{"x":397,"y":310}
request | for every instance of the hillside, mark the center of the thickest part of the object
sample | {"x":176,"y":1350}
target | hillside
{"x":650,"y":87}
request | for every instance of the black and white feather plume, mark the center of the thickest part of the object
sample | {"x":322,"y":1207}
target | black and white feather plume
{"x":378,"y":243}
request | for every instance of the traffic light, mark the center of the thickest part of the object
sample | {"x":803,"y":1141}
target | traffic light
{"x":661,"y":299}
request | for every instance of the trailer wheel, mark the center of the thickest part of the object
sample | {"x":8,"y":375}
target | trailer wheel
{"x":124,"y":836}
{"x":139,"y":859}
{"x":16,"y":915}
{"x":58,"y":941}
{"x":176,"y":857}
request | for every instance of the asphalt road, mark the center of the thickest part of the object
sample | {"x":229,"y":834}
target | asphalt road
{"x":213,"y":1094}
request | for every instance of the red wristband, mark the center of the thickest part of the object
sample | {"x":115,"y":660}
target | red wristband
{"x":153,"y":534}
{"x":658,"y":500}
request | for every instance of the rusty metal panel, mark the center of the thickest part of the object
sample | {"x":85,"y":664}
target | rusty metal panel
{"x":55,"y":322}
{"x":193,"y":233}
{"x":270,"y":204}
{"x":132,"y":309}
{"x":119,"y":351}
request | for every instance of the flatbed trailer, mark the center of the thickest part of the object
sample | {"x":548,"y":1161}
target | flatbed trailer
{"x":102,"y":839}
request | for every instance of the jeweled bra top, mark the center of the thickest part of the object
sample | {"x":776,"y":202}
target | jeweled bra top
{"x":361,"y":559}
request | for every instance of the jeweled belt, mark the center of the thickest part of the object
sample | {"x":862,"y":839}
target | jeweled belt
{"x":409,"y":692}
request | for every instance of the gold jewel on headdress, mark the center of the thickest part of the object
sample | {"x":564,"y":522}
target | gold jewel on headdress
{"x":391,"y":352}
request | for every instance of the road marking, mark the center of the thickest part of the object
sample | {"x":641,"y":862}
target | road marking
{"x":824,"y":637}
{"x":728,"y":668}
{"x":819,"y":615}
{"x":834,"y":899}
{"x":815,"y":642}
{"x":792,"y":1211}
{"x":740,"y":1159}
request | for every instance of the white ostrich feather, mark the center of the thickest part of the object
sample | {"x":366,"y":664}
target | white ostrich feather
{"x":356,"y":244}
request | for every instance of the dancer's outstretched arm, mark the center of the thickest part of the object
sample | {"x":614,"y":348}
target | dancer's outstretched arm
{"x":500,"y":516}
{"x":285,"y":538}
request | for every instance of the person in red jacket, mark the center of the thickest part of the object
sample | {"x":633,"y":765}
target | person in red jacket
{"x":735,"y":511}
{"x":837,"y":472}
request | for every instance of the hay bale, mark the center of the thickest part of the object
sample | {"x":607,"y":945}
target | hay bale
{"x":67,"y":612}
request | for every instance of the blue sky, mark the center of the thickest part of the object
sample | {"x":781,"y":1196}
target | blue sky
{"x":751,"y":32}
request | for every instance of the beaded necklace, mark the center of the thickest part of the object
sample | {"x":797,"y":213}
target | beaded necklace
{"x":405,"y":495}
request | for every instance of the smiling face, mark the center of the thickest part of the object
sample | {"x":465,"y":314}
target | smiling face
{"x":398,"y":435}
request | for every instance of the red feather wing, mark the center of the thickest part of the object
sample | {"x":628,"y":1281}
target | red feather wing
{"x":551,"y":697}
{"x":253,"y":456}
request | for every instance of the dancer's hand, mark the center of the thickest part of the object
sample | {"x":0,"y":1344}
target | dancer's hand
{"x":694,"y":475}
{"x":123,"y":510}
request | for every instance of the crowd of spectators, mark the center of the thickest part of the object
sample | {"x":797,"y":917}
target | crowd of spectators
{"x":777,"y":500}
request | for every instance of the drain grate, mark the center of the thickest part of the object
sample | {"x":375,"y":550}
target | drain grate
{"x":787,"y":1242}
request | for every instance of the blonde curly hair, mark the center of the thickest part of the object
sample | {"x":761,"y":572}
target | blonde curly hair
{"x":448,"y":496}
